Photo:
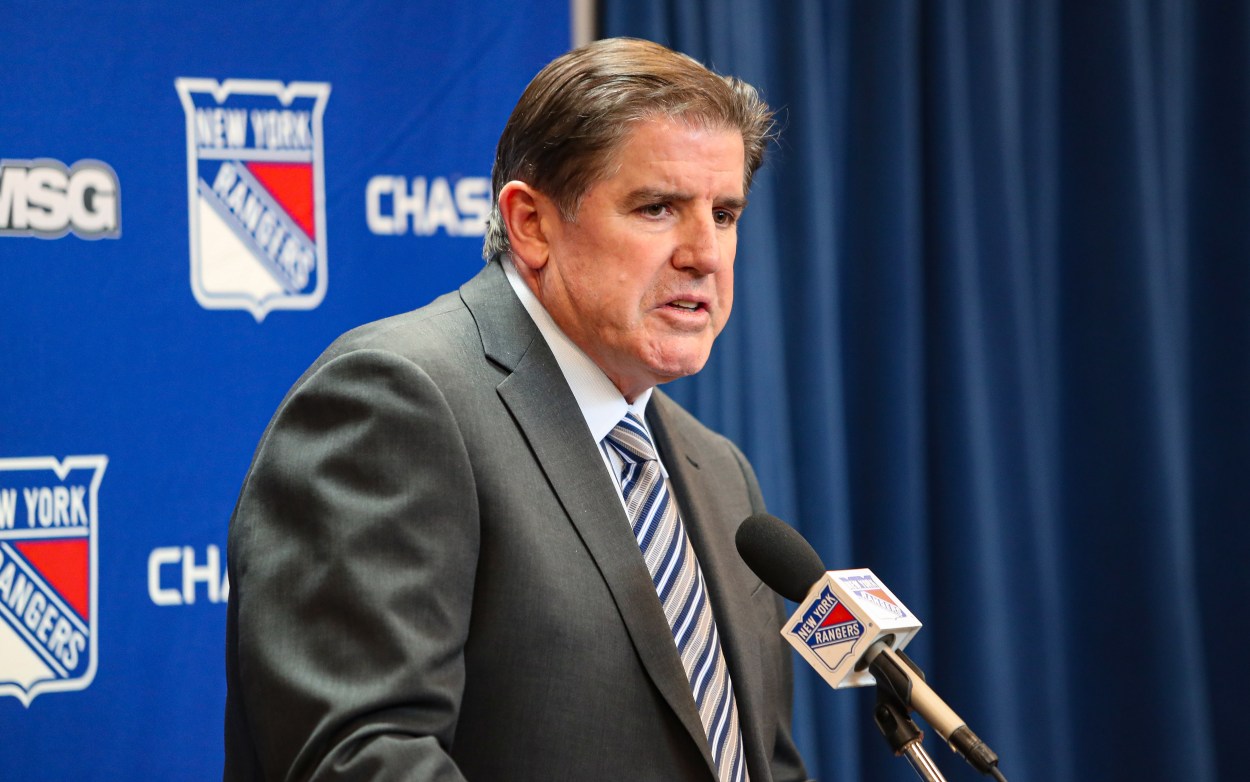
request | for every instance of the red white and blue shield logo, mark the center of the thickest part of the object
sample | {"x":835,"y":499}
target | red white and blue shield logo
{"x":256,"y":193}
{"x":49,"y":522}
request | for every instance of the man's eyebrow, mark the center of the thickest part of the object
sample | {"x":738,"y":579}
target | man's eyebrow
{"x":652,"y":195}
{"x":648,"y":195}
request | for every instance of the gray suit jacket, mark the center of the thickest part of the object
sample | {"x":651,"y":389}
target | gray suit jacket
{"x":432,"y":576}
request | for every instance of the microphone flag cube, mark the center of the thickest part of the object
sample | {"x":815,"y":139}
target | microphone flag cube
{"x":845,"y":613}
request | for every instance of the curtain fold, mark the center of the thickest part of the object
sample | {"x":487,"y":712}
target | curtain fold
{"x":992,"y":340}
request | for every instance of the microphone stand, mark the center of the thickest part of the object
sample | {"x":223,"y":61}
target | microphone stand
{"x":896,"y":725}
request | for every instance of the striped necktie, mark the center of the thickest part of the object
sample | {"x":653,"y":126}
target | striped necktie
{"x":683,"y":594}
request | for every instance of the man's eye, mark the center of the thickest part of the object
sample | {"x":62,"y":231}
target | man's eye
{"x":655,"y":210}
{"x":724,"y":217}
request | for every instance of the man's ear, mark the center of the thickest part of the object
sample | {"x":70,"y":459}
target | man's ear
{"x":526,"y":213}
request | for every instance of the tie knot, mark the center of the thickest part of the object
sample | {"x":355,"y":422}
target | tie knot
{"x":630,"y":439}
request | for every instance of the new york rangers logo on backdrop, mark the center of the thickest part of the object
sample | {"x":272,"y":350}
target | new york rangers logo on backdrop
{"x":49,"y":520}
{"x":256,"y":193}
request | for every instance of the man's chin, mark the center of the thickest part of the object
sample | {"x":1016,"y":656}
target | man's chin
{"x":676,"y":369}
{"x":646,"y":366}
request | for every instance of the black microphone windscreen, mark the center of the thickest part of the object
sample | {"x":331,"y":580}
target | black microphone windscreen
{"x":780,"y":556}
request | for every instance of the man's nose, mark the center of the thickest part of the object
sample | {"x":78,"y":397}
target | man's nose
{"x":700,"y":248}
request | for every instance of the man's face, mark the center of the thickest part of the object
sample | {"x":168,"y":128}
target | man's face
{"x":642,"y":279}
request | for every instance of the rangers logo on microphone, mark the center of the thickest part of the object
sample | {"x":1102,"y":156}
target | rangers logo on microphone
{"x":872,"y":595}
{"x":844,"y":615}
{"x":48,"y":602}
{"x":827,"y":622}
{"x":256,"y":193}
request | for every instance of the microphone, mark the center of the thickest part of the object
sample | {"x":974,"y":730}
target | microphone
{"x":851,"y":628}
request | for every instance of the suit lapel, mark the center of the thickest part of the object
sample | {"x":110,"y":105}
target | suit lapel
{"x":537,"y":395}
{"x":708,"y":525}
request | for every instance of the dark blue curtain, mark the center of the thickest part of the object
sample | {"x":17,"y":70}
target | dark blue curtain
{"x":992,"y":340}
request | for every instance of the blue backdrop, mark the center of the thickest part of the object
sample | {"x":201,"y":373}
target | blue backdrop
{"x":991,"y":340}
{"x":141,"y":367}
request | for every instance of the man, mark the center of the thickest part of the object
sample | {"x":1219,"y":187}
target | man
{"x":456,"y":555}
